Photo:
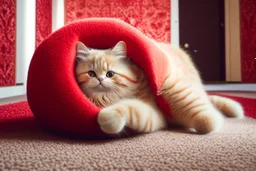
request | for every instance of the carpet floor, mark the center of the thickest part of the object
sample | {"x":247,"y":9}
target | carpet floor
{"x":25,"y":146}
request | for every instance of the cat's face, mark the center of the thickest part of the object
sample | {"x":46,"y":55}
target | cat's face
{"x":105,"y":71}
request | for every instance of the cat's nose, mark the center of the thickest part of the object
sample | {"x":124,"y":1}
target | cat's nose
{"x":100,"y":79}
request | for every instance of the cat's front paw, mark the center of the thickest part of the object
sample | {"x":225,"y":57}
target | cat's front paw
{"x":111,"y":121}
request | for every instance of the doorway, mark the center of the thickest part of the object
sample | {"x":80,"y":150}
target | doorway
{"x":202,"y":35}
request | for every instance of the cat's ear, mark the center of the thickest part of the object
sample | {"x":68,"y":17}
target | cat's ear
{"x":82,"y":52}
{"x":119,"y":50}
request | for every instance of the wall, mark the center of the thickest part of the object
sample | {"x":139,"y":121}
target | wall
{"x":43,"y":19}
{"x":248,"y":40}
{"x":7,"y":42}
{"x":152,"y":17}
{"x":24,"y":45}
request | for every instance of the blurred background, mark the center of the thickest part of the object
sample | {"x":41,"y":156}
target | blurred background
{"x":220,"y":35}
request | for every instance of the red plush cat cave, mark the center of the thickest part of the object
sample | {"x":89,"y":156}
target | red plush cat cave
{"x":52,"y":91}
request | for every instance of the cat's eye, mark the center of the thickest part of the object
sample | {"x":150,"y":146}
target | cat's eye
{"x":91,"y":73}
{"x":110,"y":74}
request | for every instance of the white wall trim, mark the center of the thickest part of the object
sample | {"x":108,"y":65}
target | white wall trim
{"x":230,"y":87}
{"x":20,"y":63}
{"x":25,"y":36}
{"x":175,"y":39}
{"x":58,"y":12}
{"x":12,"y":91}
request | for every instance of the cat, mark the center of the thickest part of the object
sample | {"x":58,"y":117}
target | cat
{"x":113,"y":82}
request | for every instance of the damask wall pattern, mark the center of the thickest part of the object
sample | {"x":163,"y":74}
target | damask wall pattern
{"x":43,"y":20}
{"x":152,"y":17}
{"x":248,"y":40}
{"x":7,"y":42}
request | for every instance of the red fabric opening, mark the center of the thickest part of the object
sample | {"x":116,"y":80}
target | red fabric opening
{"x":53,"y":94}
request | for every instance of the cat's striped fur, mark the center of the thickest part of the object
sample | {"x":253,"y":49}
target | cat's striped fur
{"x":112,"y":81}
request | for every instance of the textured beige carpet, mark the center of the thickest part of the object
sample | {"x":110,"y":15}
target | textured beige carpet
{"x":233,"y":148}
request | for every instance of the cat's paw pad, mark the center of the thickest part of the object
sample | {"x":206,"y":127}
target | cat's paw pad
{"x":111,"y":121}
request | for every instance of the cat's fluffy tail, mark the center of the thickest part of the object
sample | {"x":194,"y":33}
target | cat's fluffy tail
{"x":227,"y":106}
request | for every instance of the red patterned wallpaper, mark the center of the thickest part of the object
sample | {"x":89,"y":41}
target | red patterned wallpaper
{"x":152,"y":17}
{"x":7,"y":42}
{"x":43,"y":19}
{"x":248,"y":40}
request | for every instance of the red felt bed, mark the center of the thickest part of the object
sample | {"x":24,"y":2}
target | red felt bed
{"x":52,"y":91}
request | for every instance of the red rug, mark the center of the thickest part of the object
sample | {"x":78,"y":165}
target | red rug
{"x":18,"y":116}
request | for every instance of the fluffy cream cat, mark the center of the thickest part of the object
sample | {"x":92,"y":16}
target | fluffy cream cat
{"x":112,"y":81}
